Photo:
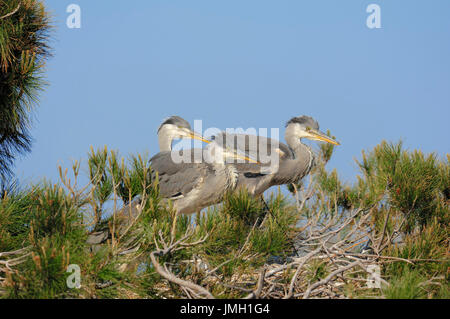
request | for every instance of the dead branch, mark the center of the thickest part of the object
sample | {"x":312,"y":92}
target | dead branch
{"x":255,"y":294}
{"x":300,"y":266}
{"x":167,"y":274}
{"x":328,"y":278}
{"x":196,"y":289}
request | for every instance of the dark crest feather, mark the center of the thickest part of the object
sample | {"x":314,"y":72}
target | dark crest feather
{"x":305,"y":121}
{"x":175,"y":120}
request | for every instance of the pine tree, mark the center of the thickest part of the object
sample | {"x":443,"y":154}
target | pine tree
{"x":24,"y":35}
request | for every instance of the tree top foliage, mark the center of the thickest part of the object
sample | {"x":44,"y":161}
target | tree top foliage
{"x":24,"y":35}
{"x":129,"y":243}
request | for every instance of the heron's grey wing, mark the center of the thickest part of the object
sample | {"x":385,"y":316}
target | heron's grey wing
{"x":177,"y":179}
{"x":254,"y":146}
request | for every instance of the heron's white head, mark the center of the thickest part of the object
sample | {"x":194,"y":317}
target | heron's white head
{"x":306,"y":127}
{"x":175,"y":127}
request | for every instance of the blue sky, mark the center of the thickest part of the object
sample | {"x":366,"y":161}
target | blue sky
{"x":251,"y":63}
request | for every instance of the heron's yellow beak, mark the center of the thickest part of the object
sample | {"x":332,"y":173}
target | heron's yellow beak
{"x":245,"y":158}
{"x":229,"y":153}
{"x":317,"y":135}
{"x":196,"y":136}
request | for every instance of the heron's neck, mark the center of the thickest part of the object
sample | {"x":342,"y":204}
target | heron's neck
{"x":165,"y":141}
{"x":293,"y":169}
{"x":213,"y":155}
{"x":299,"y":149}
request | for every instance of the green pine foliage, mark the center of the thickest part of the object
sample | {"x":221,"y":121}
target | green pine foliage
{"x":412,"y":182}
{"x":407,"y":193}
{"x":52,"y":223}
{"x":48,"y":227}
{"x":24,"y":34}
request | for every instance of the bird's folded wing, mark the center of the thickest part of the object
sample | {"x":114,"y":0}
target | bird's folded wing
{"x":177,"y":179}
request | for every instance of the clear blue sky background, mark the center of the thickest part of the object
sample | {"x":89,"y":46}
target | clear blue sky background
{"x":249,"y":63}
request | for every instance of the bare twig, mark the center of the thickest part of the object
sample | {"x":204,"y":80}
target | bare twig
{"x":255,"y":294}
{"x":11,"y":13}
{"x":302,"y":263}
{"x":167,"y":274}
{"x":328,"y":278}
{"x":198,"y":290}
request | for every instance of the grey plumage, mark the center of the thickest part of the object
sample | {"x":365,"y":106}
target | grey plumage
{"x":295,"y":159}
{"x":252,"y":145}
{"x":255,"y":177}
{"x":192,"y":186}
{"x":305,"y":121}
{"x":171,"y":128}
{"x":175,"y":120}
{"x":175,"y":179}
{"x":182,"y":182}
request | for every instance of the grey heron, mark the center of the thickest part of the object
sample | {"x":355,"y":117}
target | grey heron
{"x":295,"y":159}
{"x":192,"y":186}
{"x":171,"y":128}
